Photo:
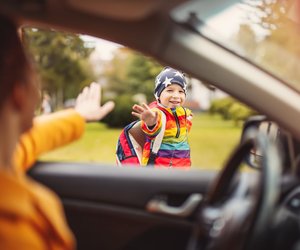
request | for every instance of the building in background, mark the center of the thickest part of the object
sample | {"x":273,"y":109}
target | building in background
{"x":200,"y":96}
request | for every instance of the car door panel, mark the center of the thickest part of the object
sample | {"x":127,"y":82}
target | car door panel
{"x":99,"y":226}
{"x":106,"y":205}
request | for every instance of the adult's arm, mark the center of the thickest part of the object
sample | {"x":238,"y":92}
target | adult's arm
{"x":60,"y":128}
{"x":48,"y":132}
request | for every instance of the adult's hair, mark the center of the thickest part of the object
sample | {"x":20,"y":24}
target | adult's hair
{"x":13,"y":61}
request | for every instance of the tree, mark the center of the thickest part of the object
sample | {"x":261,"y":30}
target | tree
{"x":62,"y":62}
{"x":131,"y":73}
{"x":268,"y":14}
{"x":279,"y":50}
{"x":141,"y":73}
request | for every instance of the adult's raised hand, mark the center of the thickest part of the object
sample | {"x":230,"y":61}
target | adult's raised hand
{"x":88,"y":103}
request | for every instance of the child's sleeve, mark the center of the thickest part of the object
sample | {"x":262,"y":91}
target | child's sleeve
{"x":153,"y":132}
{"x":48,"y":132}
{"x":189,"y":117}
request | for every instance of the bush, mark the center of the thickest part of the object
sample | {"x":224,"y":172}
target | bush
{"x":121,"y":115}
{"x":222,"y":106}
{"x":230,"y":109}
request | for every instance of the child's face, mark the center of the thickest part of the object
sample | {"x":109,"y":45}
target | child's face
{"x":172,"y":96}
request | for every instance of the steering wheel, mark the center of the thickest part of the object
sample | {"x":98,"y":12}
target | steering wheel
{"x":236,"y":216}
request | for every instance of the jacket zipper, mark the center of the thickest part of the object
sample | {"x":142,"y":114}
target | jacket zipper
{"x":177,"y":123}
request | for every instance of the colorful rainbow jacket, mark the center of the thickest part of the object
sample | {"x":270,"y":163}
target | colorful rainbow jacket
{"x":174,"y":150}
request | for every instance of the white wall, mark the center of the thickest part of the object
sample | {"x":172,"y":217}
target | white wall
{"x":204,"y":96}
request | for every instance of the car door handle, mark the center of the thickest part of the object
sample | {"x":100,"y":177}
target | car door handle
{"x":157,"y":205}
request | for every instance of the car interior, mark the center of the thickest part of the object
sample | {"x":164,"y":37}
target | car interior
{"x":145,"y":208}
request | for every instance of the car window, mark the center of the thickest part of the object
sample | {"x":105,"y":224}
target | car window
{"x":263,"y":32}
{"x":68,"y":62}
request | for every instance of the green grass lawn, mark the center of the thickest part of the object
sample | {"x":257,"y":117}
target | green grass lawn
{"x":211,"y":140}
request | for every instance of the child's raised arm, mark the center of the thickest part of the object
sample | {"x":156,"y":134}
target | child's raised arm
{"x":144,"y":113}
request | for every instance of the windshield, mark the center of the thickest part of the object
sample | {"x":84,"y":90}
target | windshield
{"x":265,"y":32}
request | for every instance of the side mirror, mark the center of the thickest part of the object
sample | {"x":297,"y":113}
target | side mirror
{"x":265,"y":126}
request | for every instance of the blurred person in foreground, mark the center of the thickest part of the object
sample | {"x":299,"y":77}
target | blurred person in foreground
{"x":31,"y":216}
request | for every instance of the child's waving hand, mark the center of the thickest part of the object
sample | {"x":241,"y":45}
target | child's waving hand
{"x":144,"y":113}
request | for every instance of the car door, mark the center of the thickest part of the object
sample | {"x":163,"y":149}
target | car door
{"x":109,"y":207}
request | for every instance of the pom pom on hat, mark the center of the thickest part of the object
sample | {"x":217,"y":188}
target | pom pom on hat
{"x":167,"y":77}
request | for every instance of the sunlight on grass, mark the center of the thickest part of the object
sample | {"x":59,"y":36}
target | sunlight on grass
{"x":211,"y":140}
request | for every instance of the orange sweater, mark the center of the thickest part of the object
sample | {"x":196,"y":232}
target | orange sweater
{"x":31,"y":216}
{"x":48,"y":132}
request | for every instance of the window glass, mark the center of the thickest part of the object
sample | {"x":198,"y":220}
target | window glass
{"x":66,"y":63}
{"x":265,"y":32}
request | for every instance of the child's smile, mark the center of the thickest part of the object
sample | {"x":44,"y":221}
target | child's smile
{"x":172,"y":96}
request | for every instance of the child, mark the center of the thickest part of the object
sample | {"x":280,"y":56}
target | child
{"x":170,"y":94}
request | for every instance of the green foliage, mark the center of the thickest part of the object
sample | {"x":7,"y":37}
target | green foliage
{"x":278,"y":50}
{"x":230,"y":109}
{"x":61,"y":60}
{"x":132,"y":73}
{"x":121,"y":115}
{"x":221,"y":106}
{"x":141,"y":73}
